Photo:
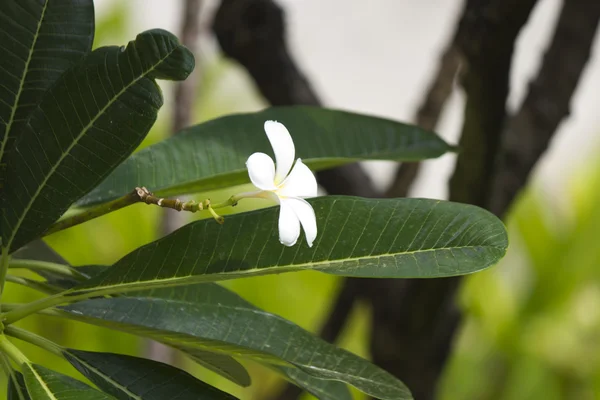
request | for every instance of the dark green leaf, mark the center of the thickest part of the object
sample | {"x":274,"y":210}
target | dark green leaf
{"x":39,"y":40}
{"x":45,"y":384}
{"x":127,"y":377}
{"x":87,"y":123}
{"x":385,"y":238}
{"x":213,"y":154}
{"x":211,"y":318}
{"x":16,"y":387}
{"x":221,"y":364}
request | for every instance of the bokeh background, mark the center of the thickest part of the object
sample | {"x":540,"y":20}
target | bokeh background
{"x":533,"y":322}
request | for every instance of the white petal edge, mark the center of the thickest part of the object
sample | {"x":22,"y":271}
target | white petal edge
{"x":305,"y":214}
{"x":301,"y":182}
{"x":289,"y":225}
{"x":261,"y":171}
{"x":283,"y":147}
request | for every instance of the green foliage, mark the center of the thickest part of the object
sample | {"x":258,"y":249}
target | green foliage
{"x":126,"y":377}
{"x":93,"y":117}
{"x":213,"y":155}
{"x":70,"y":125}
{"x":45,"y":384}
{"x":221,"y":321}
{"x":40,"y":41}
{"x":416,"y":238}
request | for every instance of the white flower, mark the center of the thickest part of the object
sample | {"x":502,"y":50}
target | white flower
{"x":286,"y":185}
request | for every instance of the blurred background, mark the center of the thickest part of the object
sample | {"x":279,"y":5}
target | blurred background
{"x":531,"y":325}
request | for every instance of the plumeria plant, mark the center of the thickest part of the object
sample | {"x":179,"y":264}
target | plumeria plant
{"x":70,"y":120}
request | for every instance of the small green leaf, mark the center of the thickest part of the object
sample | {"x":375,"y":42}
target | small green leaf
{"x":87,"y":123}
{"x":16,"y":387}
{"x":379,"y":238}
{"x":221,"y":364}
{"x":322,"y":389}
{"x":45,"y":384}
{"x":211,"y":318}
{"x":213,"y":155}
{"x":127,"y":377}
{"x":40,"y":39}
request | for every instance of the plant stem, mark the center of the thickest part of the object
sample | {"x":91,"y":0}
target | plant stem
{"x":59,"y":269}
{"x":26,"y":309}
{"x":80,"y":218}
{"x":12,"y":351}
{"x":14,"y":306}
{"x":10,"y":373}
{"x":34,"y":339}
{"x":4,"y":259}
{"x":138,"y":195}
{"x":35,"y":285}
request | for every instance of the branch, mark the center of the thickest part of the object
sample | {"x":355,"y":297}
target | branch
{"x":185,"y":92}
{"x":413,"y":338}
{"x":429,"y":113}
{"x":252,"y":32}
{"x":529,"y":132}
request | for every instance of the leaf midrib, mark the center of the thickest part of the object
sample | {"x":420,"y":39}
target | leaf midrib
{"x":175,"y":281}
{"x":21,"y":84}
{"x":42,"y":382}
{"x":75,"y":142}
{"x":106,"y":377}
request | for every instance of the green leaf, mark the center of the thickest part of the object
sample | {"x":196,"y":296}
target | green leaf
{"x":213,"y":155}
{"x":16,"y":387}
{"x":383,"y":238}
{"x":211,"y":318}
{"x":87,"y":123}
{"x":229,"y":368}
{"x":45,"y":384}
{"x":322,"y":389}
{"x":127,"y":377}
{"x":39,"y":40}
{"x":221,"y":364}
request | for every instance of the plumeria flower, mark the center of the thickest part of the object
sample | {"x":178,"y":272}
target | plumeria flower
{"x":286,"y":185}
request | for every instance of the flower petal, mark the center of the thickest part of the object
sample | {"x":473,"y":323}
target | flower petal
{"x":305,"y":213}
{"x":261,"y":171}
{"x":289,"y":225}
{"x":300,"y":182}
{"x":283,"y":147}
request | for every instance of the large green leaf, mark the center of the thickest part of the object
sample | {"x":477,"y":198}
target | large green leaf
{"x":213,"y":154}
{"x":385,"y":238}
{"x":87,"y":123}
{"x":211,"y":318}
{"x":45,"y":384}
{"x":39,"y":40}
{"x":16,"y":387}
{"x":127,"y":377}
